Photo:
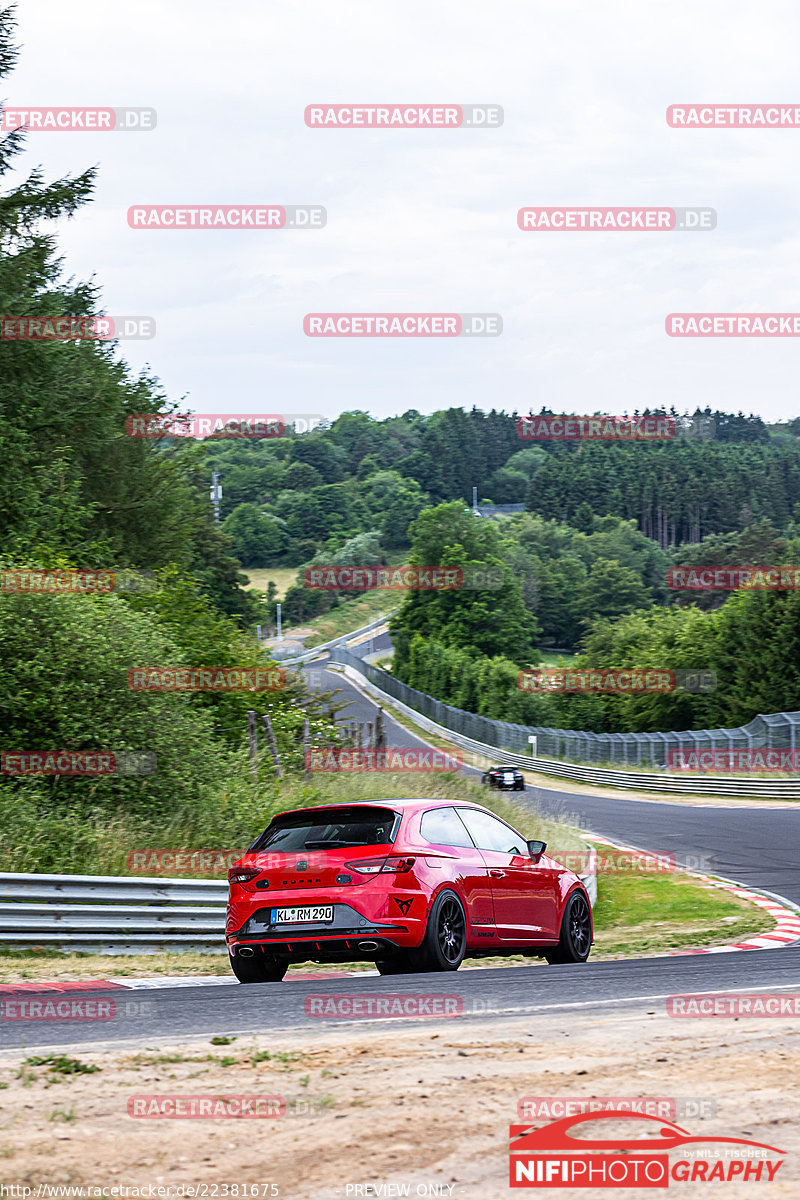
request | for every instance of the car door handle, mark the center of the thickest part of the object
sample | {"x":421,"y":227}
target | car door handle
{"x":497,"y":874}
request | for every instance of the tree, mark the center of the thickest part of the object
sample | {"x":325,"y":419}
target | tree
{"x":612,"y":589}
{"x":258,"y":538}
{"x":506,"y":486}
{"x":487,"y":615}
{"x":393,"y":503}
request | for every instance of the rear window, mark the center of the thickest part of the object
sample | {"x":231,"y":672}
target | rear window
{"x":323,"y":828}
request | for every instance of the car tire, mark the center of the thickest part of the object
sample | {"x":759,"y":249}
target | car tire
{"x":261,"y":968}
{"x":519,"y":787}
{"x":575,"y":941}
{"x":445,"y":942}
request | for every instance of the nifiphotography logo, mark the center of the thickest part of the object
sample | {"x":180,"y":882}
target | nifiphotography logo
{"x":662,"y":1153}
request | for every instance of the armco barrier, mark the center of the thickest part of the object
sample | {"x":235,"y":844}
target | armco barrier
{"x":112,"y":914}
{"x":370,"y":678}
{"x":342,"y":640}
{"x":118,"y":914}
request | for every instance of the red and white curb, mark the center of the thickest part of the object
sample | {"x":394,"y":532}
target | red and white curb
{"x":787,"y":920}
{"x":165,"y":981}
{"x":786,"y":931}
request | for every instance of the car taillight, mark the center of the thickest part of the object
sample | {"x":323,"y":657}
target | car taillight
{"x":375,"y":866}
{"x":242,"y":874}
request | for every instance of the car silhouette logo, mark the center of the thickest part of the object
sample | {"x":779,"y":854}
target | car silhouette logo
{"x":556,"y":1136}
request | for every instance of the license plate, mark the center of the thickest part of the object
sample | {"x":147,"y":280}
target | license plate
{"x":508,"y":778}
{"x":309,"y":915}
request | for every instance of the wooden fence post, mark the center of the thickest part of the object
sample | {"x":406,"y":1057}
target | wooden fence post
{"x":253,"y":739}
{"x":380,"y":731}
{"x":273,"y":747}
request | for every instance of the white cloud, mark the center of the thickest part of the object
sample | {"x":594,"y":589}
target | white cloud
{"x":426,"y":220}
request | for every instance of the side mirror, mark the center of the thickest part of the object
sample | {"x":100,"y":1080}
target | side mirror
{"x":536,"y":850}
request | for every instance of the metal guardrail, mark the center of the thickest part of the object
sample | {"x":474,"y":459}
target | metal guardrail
{"x":784,"y":789}
{"x":112,"y":914}
{"x":342,"y":640}
{"x":640,"y":751}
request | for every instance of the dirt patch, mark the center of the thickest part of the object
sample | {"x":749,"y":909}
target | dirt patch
{"x":426,"y":1105}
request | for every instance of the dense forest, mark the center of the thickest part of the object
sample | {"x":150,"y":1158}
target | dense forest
{"x":468,"y":650}
{"x":287,"y":499}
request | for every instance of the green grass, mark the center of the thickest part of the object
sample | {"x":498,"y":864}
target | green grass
{"x":548,"y":659}
{"x":649,"y":914}
{"x":61,"y":1065}
{"x":350,"y":615}
{"x":260,"y":578}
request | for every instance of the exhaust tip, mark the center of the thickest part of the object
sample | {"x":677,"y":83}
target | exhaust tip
{"x":368,"y":946}
{"x":246,"y":952}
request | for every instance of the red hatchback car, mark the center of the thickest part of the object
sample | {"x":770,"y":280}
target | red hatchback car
{"x":413,"y":885}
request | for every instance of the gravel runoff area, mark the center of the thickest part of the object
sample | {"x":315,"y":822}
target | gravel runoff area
{"x":424,"y":1106}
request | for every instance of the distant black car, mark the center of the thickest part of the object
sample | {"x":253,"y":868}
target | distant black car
{"x":507,"y":778}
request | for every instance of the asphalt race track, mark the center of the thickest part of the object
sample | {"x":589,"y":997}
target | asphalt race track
{"x":176,"y":1013}
{"x":754,"y":846}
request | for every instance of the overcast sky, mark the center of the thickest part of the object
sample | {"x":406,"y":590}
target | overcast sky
{"x":426,"y":220}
